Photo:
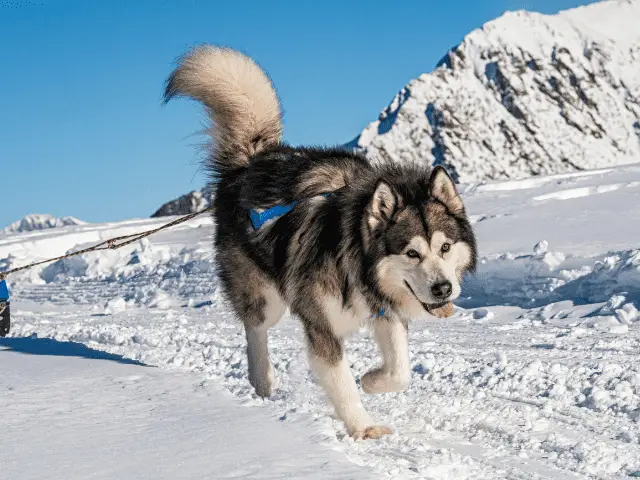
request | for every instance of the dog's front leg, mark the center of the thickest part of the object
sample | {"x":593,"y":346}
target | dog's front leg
{"x":395,"y":373}
{"x":329,"y":362}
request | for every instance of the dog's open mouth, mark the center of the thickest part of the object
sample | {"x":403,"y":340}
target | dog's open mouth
{"x":429,"y":307}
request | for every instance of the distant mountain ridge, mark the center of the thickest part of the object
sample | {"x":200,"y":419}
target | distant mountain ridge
{"x":36,"y":221}
{"x":192,"y":202}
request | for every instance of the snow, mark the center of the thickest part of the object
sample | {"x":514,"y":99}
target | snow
{"x":526,"y":94}
{"x":76,"y":413}
{"x":536,"y":375}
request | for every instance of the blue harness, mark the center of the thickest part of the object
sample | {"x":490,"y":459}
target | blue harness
{"x":258,"y":219}
{"x":4,"y":291}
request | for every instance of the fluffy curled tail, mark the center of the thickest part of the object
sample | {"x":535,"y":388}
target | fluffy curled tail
{"x":239,"y":99}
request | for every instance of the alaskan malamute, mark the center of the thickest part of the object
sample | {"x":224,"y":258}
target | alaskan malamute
{"x":340,"y":241}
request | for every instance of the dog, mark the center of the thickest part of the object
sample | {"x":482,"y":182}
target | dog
{"x":352,"y":243}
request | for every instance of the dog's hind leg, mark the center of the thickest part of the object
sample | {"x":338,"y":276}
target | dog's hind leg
{"x":395,"y":372}
{"x":268,"y":313}
{"x":258,"y":304}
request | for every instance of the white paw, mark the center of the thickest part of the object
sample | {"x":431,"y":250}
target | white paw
{"x":371,"y":433}
{"x":379,"y":381}
{"x":265,"y":383}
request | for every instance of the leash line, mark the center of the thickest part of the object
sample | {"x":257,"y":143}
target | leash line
{"x":110,"y":244}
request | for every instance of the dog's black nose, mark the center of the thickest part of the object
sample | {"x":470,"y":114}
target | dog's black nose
{"x":441,"y":290}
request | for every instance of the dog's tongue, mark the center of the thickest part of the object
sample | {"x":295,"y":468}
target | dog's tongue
{"x":442,"y":311}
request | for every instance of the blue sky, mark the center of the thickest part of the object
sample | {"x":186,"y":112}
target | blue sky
{"x":82,"y":128}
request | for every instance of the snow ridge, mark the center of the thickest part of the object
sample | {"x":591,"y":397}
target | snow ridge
{"x":526,"y":94}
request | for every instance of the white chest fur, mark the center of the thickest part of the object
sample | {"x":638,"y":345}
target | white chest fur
{"x":347,"y":320}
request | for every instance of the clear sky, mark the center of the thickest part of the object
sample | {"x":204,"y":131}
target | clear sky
{"x":82,"y":128}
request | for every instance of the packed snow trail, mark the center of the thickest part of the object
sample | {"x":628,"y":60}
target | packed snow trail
{"x":72,"y":413}
{"x":536,"y":376}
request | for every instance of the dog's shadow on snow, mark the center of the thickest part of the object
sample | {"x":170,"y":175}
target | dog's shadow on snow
{"x":54,"y":348}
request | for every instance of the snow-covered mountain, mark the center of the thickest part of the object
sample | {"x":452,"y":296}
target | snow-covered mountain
{"x":526,"y":94}
{"x":36,"y":221}
{"x":192,"y":202}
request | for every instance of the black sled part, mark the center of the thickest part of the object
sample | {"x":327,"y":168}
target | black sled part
{"x":5,"y":318}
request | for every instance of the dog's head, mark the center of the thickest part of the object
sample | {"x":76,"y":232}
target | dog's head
{"x":420,"y":241}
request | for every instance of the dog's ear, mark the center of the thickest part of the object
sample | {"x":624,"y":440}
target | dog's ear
{"x":444,"y":190}
{"x":382,"y":205}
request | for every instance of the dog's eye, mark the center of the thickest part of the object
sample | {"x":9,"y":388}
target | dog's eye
{"x":412,"y":254}
{"x":445,"y":247}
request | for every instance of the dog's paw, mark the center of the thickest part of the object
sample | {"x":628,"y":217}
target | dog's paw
{"x":379,"y":381}
{"x":372,"y":433}
{"x":264,"y":384}
{"x":263,"y":390}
